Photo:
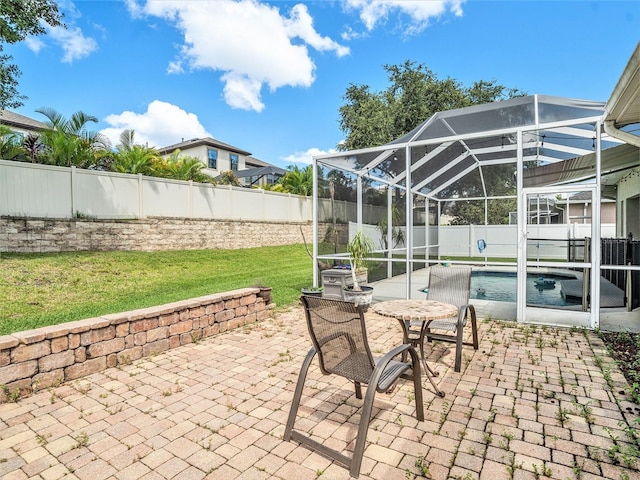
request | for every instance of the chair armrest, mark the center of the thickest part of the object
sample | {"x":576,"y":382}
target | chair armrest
{"x":462,"y":313}
{"x":384,"y":361}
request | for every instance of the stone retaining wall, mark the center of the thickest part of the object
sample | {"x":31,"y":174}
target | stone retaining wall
{"x":44,"y":357}
{"x":40,"y":235}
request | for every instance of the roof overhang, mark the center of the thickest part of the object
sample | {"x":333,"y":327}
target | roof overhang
{"x":623,"y":107}
{"x":616,"y":162}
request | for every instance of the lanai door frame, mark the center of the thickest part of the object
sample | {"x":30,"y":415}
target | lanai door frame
{"x":531,"y":314}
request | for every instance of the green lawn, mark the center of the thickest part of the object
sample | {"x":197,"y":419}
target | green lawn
{"x":46,"y":289}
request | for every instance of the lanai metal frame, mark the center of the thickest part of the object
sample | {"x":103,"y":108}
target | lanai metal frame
{"x":465,"y":145}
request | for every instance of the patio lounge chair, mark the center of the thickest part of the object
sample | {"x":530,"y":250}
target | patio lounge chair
{"x":339,"y":337}
{"x":451,"y":285}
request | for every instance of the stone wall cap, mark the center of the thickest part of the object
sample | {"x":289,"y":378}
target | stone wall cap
{"x":30,"y":336}
{"x":239,"y":293}
{"x":116,"y":318}
{"x":8,"y":341}
{"x":165,"y":309}
{"x":80,"y":326}
{"x":55,"y":331}
{"x":99,"y":322}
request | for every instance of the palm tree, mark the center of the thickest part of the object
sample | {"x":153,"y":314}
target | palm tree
{"x":298,"y":181}
{"x":68,"y":143}
{"x":133,"y":158}
{"x":183,"y":167}
{"x":10,"y":147}
{"x":227,"y":177}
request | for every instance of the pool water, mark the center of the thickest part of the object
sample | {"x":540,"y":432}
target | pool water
{"x":501,"y":287}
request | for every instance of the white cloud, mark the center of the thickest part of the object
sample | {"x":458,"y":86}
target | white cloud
{"x":73,"y":42}
{"x":301,"y":25}
{"x":242,"y":91}
{"x":306,"y":157}
{"x":175,"y":67}
{"x":34,"y":44}
{"x":250,"y":42}
{"x":161,"y":125}
{"x":419,"y":12}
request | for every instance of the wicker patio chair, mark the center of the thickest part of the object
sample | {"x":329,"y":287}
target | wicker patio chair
{"x":339,"y":338}
{"x":451,"y":285}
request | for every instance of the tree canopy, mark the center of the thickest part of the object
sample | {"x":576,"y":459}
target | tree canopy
{"x":19,"y":18}
{"x":415,"y":93}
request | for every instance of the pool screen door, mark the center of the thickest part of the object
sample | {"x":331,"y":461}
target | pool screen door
{"x":557,"y":235}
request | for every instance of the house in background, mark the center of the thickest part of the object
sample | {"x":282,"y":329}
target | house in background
{"x":547,"y":210}
{"x":259,"y":173}
{"x":580,"y":208}
{"x":216,"y":155}
{"x":219,"y":157}
{"x":20,"y":124}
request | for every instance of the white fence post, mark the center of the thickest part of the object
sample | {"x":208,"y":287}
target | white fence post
{"x":190,"y":198}
{"x":141,"y":213}
{"x":74,"y":201}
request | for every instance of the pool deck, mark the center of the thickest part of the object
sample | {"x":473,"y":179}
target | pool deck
{"x":531,"y":403}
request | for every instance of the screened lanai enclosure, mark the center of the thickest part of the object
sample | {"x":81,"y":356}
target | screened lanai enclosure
{"x":520,"y":189}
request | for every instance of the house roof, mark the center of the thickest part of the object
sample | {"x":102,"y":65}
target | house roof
{"x":623,"y":107}
{"x":615,"y":163}
{"x":258,"y":172}
{"x":197,"y":142}
{"x":16,"y":120}
{"x":254,"y":162}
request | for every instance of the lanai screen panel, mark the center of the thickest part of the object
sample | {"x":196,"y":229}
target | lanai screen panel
{"x":471,"y":141}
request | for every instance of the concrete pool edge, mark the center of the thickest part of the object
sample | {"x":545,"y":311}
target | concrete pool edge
{"x":611,"y":319}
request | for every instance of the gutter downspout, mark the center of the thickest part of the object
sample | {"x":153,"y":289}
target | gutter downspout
{"x":610,"y":128}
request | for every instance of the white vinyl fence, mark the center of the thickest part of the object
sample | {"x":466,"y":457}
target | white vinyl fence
{"x":59,"y":192}
{"x":501,"y":241}
{"x":34,"y":190}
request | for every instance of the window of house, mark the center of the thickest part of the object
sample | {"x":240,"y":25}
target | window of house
{"x":234,"y":162}
{"x":15,"y":138}
{"x":212,"y":156}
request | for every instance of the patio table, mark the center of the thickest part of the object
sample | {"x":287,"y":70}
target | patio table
{"x":415,"y":310}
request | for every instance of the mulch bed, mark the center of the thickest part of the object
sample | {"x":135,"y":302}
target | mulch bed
{"x":625,"y":349}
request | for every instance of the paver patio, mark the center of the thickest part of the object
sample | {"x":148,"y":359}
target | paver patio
{"x":531,"y":403}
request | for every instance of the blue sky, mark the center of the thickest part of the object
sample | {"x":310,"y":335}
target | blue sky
{"x":269,"y":77}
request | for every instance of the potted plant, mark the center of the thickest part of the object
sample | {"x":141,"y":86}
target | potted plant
{"x":264,"y":291}
{"x":312,"y":291}
{"x":359,"y":248}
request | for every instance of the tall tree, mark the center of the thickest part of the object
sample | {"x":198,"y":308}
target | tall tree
{"x":415,"y":93}
{"x":19,"y":18}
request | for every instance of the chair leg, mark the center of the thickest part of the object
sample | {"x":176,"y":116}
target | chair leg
{"x":363,"y":427}
{"x":295,"y":404}
{"x":474,"y":326}
{"x":459,"y":335}
{"x":417,"y":385}
{"x":358,"y":390}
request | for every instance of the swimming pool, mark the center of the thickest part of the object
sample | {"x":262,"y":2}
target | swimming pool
{"x":500,"y":286}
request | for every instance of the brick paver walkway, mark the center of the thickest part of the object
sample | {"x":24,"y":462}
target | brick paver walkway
{"x":531,"y":403}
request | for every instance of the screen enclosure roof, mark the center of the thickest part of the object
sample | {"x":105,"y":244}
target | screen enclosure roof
{"x":456,"y":152}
